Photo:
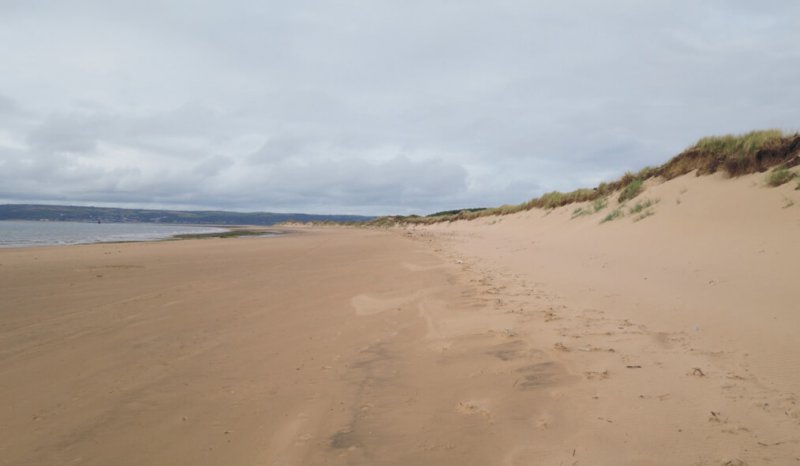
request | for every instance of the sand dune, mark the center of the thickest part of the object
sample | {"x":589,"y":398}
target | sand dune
{"x":683,"y":324}
{"x":535,"y":338}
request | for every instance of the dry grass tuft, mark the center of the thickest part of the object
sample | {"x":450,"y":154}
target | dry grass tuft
{"x":779,"y":176}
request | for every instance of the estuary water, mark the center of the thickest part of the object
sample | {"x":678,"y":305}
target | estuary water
{"x":25,"y":234}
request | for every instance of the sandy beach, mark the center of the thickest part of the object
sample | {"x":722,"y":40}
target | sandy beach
{"x":535,"y":338}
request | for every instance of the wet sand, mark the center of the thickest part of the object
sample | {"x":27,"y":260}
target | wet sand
{"x":528,"y":339}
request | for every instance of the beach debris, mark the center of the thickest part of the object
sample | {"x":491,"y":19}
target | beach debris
{"x":696,"y":371}
{"x":472,"y":407}
{"x":773,"y":444}
{"x":634,"y":366}
{"x":600,"y":375}
{"x":735,"y":462}
{"x":560,"y":347}
{"x":590,"y":348}
{"x":550,"y":316}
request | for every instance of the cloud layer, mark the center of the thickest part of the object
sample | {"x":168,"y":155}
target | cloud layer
{"x":373,"y":107}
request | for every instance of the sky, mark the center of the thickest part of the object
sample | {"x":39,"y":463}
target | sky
{"x":374,"y":107}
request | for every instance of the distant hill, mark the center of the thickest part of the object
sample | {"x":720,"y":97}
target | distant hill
{"x":114,"y":215}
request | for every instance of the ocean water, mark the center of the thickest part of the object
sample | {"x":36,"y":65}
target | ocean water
{"x":24,"y":234}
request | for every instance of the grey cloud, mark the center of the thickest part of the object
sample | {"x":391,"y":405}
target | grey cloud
{"x":375,"y":107}
{"x":61,"y":133}
{"x":8,"y":106}
{"x":213,"y":165}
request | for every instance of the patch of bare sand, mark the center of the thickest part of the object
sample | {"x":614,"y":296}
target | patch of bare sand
{"x":326,"y":347}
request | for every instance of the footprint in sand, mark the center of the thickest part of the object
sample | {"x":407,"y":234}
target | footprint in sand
{"x":421,"y":268}
{"x":470,"y":407}
{"x":369,"y":304}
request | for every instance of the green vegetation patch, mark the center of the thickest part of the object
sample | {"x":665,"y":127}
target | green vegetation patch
{"x":596,"y":206}
{"x":734,"y":154}
{"x":779,"y":176}
{"x":613,"y":215}
{"x":642,"y":209}
{"x":580,"y":212}
{"x":743,"y":145}
{"x":600,"y":204}
{"x":633,"y":189}
{"x":643,"y":205}
{"x":453,"y":212}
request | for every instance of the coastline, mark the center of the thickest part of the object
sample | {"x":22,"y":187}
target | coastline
{"x":66,"y":235}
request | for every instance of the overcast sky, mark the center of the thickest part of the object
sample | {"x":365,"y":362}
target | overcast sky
{"x":372,"y":106}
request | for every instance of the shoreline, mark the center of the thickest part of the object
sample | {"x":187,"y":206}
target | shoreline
{"x":222,"y":231}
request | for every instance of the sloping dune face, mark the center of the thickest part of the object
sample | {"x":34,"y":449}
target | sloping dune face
{"x":665,"y":334}
{"x":680,"y":311}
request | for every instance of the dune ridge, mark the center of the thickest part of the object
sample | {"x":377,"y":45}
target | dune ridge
{"x":680,"y":325}
{"x":733,"y":155}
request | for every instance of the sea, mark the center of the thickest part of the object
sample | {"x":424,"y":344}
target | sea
{"x":29,"y":233}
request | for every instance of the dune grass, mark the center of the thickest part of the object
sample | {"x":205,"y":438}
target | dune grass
{"x":613,"y":215}
{"x":643,"y":205}
{"x":642,"y":209}
{"x":600,"y":204}
{"x":643,"y":215}
{"x":633,"y":189}
{"x":735,"y":155}
{"x":779,"y":176}
{"x":596,"y":206}
{"x":580,"y":212}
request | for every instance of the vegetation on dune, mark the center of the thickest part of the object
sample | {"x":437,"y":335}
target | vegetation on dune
{"x":453,"y":212}
{"x":779,"y":176}
{"x":640,"y":206}
{"x":580,"y":212}
{"x":753,"y":152}
{"x":631,"y":190}
{"x":735,"y":155}
{"x":642,"y":209}
{"x":644,"y":215}
{"x":614,"y":214}
{"x":600,"y":204}
{"x":596,"y":206}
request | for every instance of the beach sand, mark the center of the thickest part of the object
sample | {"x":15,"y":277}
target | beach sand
{"x":528,"y":339}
